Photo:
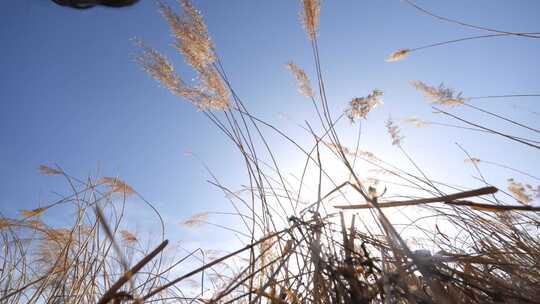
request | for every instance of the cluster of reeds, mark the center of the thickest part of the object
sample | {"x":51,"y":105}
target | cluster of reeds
{"x":306,"y":239}
{"x":80,"y":259}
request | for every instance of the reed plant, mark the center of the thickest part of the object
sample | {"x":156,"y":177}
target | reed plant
{"x":311,"y":238}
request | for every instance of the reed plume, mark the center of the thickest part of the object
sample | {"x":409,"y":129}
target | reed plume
{"x":441,"y":95}
{"x":394,"y":132}
{"x":45,"y":170}
{"x":304,"y":85}
{"x":191,"y":35}
{"x":33,"y":213}
{"x":419,"y":123}
{"x":193,"y":42}
{"x":161,"y":69}
{"x":359,"y":107}
{"x":310,"y":17}
{"x":398,"y":55}
{"x":128,"y":238}
{"x":196,"y":220}
{"x":116,"y":185}
{"x":450,"y":248}
{"x":522,"y":194}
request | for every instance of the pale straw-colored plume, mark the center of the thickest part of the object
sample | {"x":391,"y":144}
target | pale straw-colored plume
{"x":304,"y":85}
{"x":398,"y":55}
{"x":310,"y":17}
{"x":34,"y":224}
{"x":358,"y":153}
{"x":33,"y":213}
{"x":128,"y":238}
{"x":337,"y":148}
{"x":213,"y":94}
{"x":54,"y":250}
{"x":441,"y":95}
{"x":366,"y":154}
{"x":416,"y":122}
{"x":196,"y":220}
{"x":359,"y":107}
{"x":46,"y":170}
{"x":519,"y":191}
{"x":191,"y":35}
{"x":194,"y":44}
{"x":394,"y":132}
{"x":117,"y":186}
{"x":161,"y":69}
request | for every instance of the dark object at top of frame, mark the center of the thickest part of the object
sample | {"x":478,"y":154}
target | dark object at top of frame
{"x":84,"y":4}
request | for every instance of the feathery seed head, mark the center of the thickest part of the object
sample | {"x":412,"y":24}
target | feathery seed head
{"x":338,"y":148}
{"x":34,"y":224}
{"x":393,"y":130}
{"x":398,"y":55}
{"x":33,"y":213}
{"x":117,"y":185}
{"x":196,"y":220}
{"x":359,"y":107}
{"x":416,"y":122}
{"x":310,"y":17}
{"x":367,"y":155}
{"x":191,"y":34}
{"x":304,"y":85}
{"x":440,"y":95}
{"x":521,"y":193}
{"x":213,"y":94}
{"x":46,"y":170}
{"x":193,"y":42}
{"x":128,"y":238}
{"x":161,"y":69}
{"x":54,"y":249}
{"x":357,"y":153}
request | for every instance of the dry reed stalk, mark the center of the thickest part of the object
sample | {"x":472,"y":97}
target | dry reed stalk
{"x":442,"y":199}
{"x":111,"y":293}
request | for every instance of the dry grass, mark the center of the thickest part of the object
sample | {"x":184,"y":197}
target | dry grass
{"x":471,"y":246}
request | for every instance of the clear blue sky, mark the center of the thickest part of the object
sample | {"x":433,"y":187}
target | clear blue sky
{"x":71,"y":94}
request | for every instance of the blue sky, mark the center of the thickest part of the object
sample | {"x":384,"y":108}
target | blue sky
{"x":71,"y":93}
